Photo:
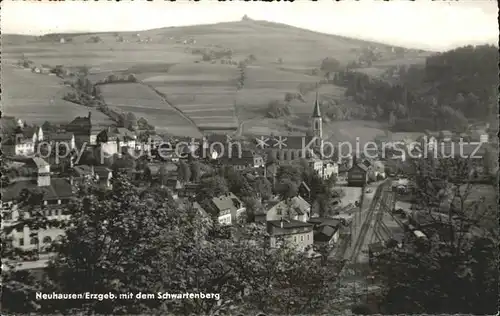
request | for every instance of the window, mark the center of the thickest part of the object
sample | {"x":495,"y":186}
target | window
{"x":316,"y":125}
{"x":47,"y":240}
{"x":301,"y":238}
{"x":34,"y":241}
{"x":295,"y":239}
{"x":7,"y":216}
{"x":21,"y":242}
{"x":307,"y":237}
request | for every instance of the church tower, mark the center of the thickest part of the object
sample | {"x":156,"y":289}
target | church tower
{"x":317,"y":121}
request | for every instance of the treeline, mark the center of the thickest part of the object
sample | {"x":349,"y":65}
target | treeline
{"x":118,"y":79}
{"x":454,"y":87}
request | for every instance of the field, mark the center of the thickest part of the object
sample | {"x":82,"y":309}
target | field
{"x":205,"y":91}
{"x":144,"y":102}
{"x":36,"y":98}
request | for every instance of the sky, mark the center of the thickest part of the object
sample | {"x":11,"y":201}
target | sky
{"x":424,"y":24}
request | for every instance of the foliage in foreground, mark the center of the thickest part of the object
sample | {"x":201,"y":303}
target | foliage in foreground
{"x":132,"y":240}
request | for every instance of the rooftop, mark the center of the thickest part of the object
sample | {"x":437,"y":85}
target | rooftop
{"x":58,"y":188}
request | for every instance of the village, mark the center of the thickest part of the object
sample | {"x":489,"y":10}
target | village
{"x":358,"y":217}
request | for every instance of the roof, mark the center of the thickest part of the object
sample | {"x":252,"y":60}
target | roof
{"x":305,"y":186}
{"x":58,"y":188}
{"x":343,"y":168}
{"x":296,"y":204}
{"x":154,"y":168}
{"x":66,"y":136}
{"x":83,"y":170}
{"x":102,"y":171}
{"x":359,"y":166}
{"x":446,"y":133}
{"x":228,"y":202}
{"x":317,"y":110}
{"x":324,"y":233}
{"x":197,"y":206}
{"x":324,"y":221}
{"x":289,"y":224}
{"x":39,"y":162}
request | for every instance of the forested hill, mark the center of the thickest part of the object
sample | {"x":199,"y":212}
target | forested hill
{"x":452,"y":90}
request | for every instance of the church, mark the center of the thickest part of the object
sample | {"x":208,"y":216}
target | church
{"x":289,"y":148}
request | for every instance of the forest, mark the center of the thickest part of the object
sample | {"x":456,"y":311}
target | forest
{"x":452,"y":90}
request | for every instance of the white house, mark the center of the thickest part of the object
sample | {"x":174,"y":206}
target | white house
{"x":295,"y":208}
{"x":228,"y":208}
{"x":330,"y":169}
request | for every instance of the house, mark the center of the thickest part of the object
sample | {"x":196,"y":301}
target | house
{"x":343,"y":170}
{"x":55,"y":193}
{"x":227,"y":208}
{"x":295,"y":208}
{"x":84,"y":130}
{"x":103,"y":176}
{"x":62,"y":138}
{"x":445,"y":136}
{"x":114,"y":140}
{"x":357,"y":175}
{"x":478,"y":135}
{"x":247,"y":159}
{"x":305,"y":191}
{"x":153,"y":171}
{"x":82,"y":173}
{"x":326,"y":230}
{"x":290,"y":148}
{"x":288,"y":231}
{"x":330,"y":169}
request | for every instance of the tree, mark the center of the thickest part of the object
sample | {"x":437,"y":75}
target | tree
{"x":132,"y":240}
{"x":330,"y":64}
{"x":211,"y":187}
{"x":287,"y":189}
{"x":163,"y":174}
{"x":195,"y":168}
{"x":242,"y":66}
{"x":97,"y":93}
{"x":392,"y":118}
{"x":278,"y":109}
{"x":263,"y":188}
{"x":183,"y":172}
{"x":456,"y":267}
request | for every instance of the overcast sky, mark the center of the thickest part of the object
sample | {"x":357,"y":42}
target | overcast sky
{"x":437,"y":25}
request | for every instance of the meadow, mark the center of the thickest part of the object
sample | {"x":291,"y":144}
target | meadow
{"x":205,"y":91}
{"x":144,"y":102}
{"x":36,"y":98}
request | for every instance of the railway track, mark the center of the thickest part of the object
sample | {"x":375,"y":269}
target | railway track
{"x":366,"y":224}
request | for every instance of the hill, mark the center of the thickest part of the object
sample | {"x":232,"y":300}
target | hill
{"x":195,"y":68}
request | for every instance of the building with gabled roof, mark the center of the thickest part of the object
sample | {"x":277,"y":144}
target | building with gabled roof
{"x":288,"y":231}
{"x":228,"y":208}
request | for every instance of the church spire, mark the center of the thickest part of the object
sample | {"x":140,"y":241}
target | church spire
{"x":317,"y":111}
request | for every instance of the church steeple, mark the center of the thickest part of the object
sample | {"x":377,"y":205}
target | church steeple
{"x":317,"y":110}
{"x":317,"y":121}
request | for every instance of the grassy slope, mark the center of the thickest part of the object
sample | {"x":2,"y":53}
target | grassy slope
{"x":206,"y":92}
